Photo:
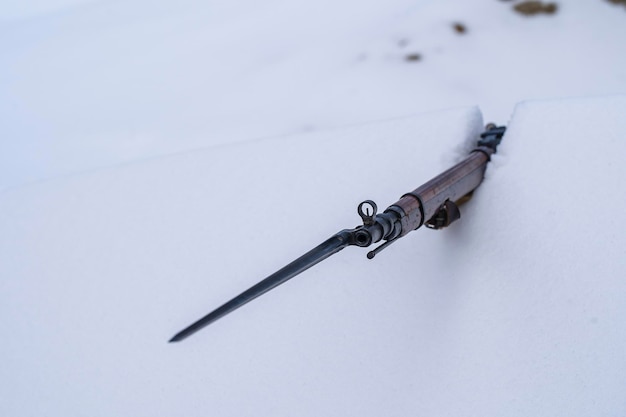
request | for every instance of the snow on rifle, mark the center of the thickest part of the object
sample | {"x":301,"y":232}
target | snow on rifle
{"x":434,"y":204}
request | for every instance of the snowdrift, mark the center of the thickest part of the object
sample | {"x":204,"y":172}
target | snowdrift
{"x":517,"y":309}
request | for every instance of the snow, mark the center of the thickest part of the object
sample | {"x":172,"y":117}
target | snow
{"x":90,"y":84}
{"x":157,"y":158}
{"x":517,"y":309}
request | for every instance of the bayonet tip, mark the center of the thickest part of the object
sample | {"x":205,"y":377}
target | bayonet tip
{"x":177,"y":337}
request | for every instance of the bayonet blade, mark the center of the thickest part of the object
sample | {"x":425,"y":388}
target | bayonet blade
{"x":312,"y":257}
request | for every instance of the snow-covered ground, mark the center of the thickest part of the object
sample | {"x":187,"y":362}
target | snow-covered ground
{"x":93,"y":83}
{"x":515,"y":310}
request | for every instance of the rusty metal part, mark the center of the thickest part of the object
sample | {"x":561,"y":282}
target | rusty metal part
{"x":447,"y":214}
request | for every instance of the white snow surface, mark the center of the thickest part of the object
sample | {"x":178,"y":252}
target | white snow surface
{"x":88,"y":83}
{"x":517,"y":309}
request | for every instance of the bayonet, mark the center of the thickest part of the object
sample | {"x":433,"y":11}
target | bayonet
{"x":435,"y":204}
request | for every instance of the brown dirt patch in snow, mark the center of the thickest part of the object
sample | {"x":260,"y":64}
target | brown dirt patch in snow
{"x":460,"y":28}
{"x":531,"y":8}
{"x":413,"y":57}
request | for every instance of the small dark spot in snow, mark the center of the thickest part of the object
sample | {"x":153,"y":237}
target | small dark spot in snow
{"x":413,"y":57}
{"x":531,"y":8}
{"x":403,"y":43}
{"x":459,"y":28}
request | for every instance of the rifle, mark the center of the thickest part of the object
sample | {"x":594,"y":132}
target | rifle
{"x":434,"y":204}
